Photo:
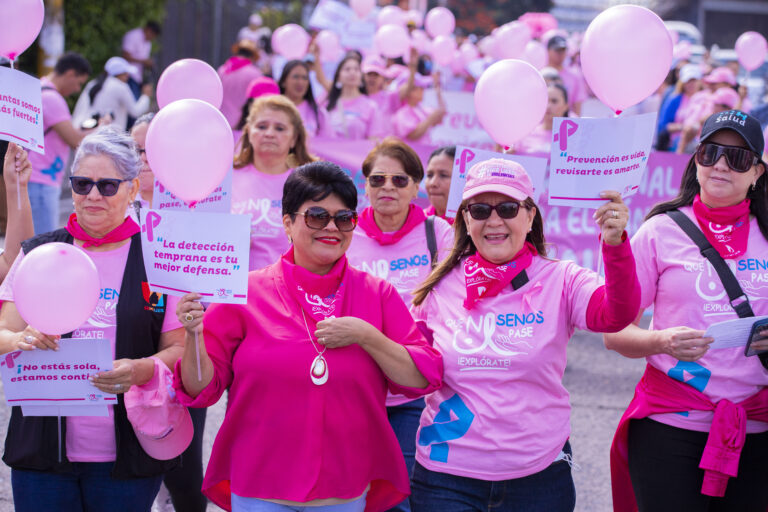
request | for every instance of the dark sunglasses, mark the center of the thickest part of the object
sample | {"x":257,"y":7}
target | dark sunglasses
{"x":107,"y":186}
{"x":398,"y":180}
{"x":739,"y":159}
{"x":316,"y":217}
{"x":482,"y":211}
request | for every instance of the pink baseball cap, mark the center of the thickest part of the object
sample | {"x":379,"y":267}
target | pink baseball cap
{"x":726,"y":96}
{"x":720,"y":75}
{"x":374,"y":64}
{"x":162,"y":425}
{"x":498,"y":175}
{"x":262,"y":86}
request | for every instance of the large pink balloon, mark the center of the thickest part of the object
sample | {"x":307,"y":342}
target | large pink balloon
{"x":391,"y":15}
{"x":415,"y":17}
{"x":622,"y":71}
{"x":189,"y":78}
{"x":443,"y":48}
{"x":510,"y":100}
{"x":510,"y":40}
{"x":392,"y":41}
{"x":420,"y":41}
{"x":468,"y":52}
{"x":535,"y":54}
{"x":329,"y":45}
{"x":362,"y":7}
{"x":751,"y":48}
{"x":51,"y":300}
{"x":440,"y":22}
{"x":189,"y":148}
{"x":20,"y":23}
{"x":292,"y":41}
{"x":275,"y":39}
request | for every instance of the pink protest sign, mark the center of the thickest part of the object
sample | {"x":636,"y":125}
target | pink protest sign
{"x":21,"y":113}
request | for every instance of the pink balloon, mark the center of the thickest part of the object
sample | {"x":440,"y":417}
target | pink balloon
{"x":510,"y":40}
{"x":487,"y":44}
{"x":392,"y":41}
{"x":420,"y":41}
{"x":539,"y":22}
{"x":535,"y":54}
{"x":440,"y":22}
{"x":189,"y":78}
{"x":468,"y":52}
{"x":415,"y":17}
{"x":510,"y":100}
{"x":457,"y":62}
{"x":391,"y":15}
{"x":329,"y":45}
{"x":682,"y":51}
{"x":189,"y":148}
{"x":751,"y":48}
{"x":292,"y":41}
{"x":362,"y":7}
{"x":275,"y":39}
{"x":443,"y":48}
{"x":20,"y":23}
{"x":622,"y":71}
{"x":52,"y":301}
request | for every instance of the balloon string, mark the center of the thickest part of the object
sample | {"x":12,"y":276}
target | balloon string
{"x":197,"y":354}
{"x":18,"y":193}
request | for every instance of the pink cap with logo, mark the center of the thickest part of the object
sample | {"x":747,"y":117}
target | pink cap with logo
{"x":374,"y":64}
{"x":721,"y":75}
{"x":498,"y":175}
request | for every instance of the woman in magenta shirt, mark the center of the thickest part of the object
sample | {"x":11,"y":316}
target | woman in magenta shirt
{"x":352,"y":114}
{"x":307,"y":362}
{"x":495,"y":436}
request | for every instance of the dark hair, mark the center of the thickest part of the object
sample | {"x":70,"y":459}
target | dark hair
{"x":689,"y":188}
{"x":244,"y":114}
{"x":245,"y":52}
{"x":96,"y":89}
{"x":464,"y":246}
{"x":314,"y":182}
{"x":335,"y":92}
{"x":309,"y":96}
{"x":153,"y":26}
{"x":450,"y":151}
{"x":74,"y":61}
{"x":400,"y":151}
{"x":560,"y":87}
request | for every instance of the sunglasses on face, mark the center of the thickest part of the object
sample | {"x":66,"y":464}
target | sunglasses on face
{"x":398,"y":180}
{"x":107,"y":187}
{"x":318,"y":218}
{"x":505,"y":210}
{"x":739,"y":159}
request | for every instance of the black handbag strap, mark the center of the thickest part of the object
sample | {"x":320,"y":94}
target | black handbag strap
{"x":520,"y":280}
{"x":429,"y":227}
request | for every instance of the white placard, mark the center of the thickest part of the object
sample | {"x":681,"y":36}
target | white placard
{"x":467,"y":157}
{"x":206,"y":253}
{"x":219,"y":201}
{"x":460,"y":122}
{"x":731,"y":333}
{"x":592,"y":155}
{"x":21,"y":110}
{"x":331,"y":15}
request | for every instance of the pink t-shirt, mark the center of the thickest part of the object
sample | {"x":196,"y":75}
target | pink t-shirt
{"x":407,"y":118}
{"x":235,"y":85}
{"x":503,"y":411}
{"x":260,"y":195}
{"x":387,"y":102}
{"x":48,"y":169}
{"x":574,"y":83}
{"x":313,"y":124}
{"x":538,"y":141}
{"x":685,"y":290}
{"x":355,"y":119}
{"x":92,"y":438}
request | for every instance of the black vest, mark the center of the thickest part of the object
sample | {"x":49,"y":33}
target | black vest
{"x":32,"y":441}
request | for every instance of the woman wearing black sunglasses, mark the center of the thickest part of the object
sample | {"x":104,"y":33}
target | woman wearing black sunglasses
{"x":308,"y":362}
{"x":699,"y":407}
{"x":495,"y":436}
{"x":97,"y":463}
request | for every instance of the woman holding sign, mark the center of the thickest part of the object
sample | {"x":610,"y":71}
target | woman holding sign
{"x":308,"y":362}
{"x":501,"y":313}
{"x":698,"y":415}
{"x":98,"y":464}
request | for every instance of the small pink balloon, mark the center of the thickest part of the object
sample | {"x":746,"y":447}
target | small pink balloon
{"x":193,"y":165}
{"x":420,"y":41}
{"x":275,"y":39}
{"x":468,"y":52}
{"x":293,"y":41}
{"x":414,"y":17}
{"x":457,"y":62}
{"x":751,"y":48}
{"x":535,"y":54}
{"x":392,"y":41}
{"x":486,"y":45}
{"x":443,"y":48}
{"x":20,"y":23}
{"x":510,"y":40}
{"x":52,"y":301}
{"x":391,"y":15}
{"x":329,"y":45}
{"x":440,"y":22}
{"x":362,"y":7}
{"x":539,"y":22}
{"x":622,"y":71}
{"x":189,"y":78}
{"x":510,"y":88}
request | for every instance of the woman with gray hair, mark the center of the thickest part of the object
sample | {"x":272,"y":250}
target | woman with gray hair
{"x":97,"y":463}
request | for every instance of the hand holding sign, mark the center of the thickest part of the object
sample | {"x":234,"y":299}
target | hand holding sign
{"x":612,"y":217}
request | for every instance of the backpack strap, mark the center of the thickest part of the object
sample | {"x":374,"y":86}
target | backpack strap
{"x":429,"y":227}
{"x":520,"y":280}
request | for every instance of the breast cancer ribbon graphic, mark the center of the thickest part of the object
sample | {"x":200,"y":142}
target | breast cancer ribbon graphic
{"x":567,"y":129}
{"x":444,"y":429}
{"x":466,"y":156}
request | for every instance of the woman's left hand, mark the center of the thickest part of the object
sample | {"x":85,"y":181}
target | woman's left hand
{"x":117,"y":380}
{"x":612,"y":217}
{"x":339,"y":332}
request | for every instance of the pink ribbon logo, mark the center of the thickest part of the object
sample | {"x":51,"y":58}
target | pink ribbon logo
{"x":567,"y":128}
{"x":152,"y":221}
{"x":466,"y":156}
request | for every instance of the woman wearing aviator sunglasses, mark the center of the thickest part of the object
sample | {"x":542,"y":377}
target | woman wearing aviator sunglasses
{"x":501,"y":314}
{"x":308,"y":362}
{"x":698,"y":407}
{"x":97,"y":463}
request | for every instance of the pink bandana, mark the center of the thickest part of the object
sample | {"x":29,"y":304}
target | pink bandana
{"x":125,"y":230}
{"x":367,"y":223}
{"x":319,"y":296}
{"x":727,"y":228}
{"x":486,"y":279}
{"x":431,"y":211}
{"x":234,"y":63}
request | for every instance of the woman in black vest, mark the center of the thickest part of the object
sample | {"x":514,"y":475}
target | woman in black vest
{"x":99,"y":464}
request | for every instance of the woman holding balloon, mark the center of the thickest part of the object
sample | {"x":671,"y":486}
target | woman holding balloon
{"x":98,"y":464}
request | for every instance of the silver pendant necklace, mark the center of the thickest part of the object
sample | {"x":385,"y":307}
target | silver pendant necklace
{"x":318,"y":371}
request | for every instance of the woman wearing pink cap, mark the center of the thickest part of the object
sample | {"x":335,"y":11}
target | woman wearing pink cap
{"x":495,"y":436}
{"x":307,"y":362}
{"x":294,"y":85}
{"x":351,"y":113}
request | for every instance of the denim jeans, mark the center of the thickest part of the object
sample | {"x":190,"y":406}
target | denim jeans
{"x":549,"y":490}
{"x":240,"y":504}
{"x":87,"y":488}
{"x":404,"y":420}
{"x":45,"y":206}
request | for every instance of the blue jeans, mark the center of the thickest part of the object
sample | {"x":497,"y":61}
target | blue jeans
{"x":240,"y":504}
{"x":404,"y":420}
{"x":549,"y":490}
{"x":87,"y":488}
{"x":45,"y":206}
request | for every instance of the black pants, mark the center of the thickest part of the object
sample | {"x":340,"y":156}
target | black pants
{"x":664,"y":467}
{"x":184,"y":482}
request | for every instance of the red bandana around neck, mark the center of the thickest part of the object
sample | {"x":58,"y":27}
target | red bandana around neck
{"x":486,"y":279}
{"x":368,"y":224}
{"x":125,"y":230}
{"x":319,"y":296}
{"x":726,"y":228}
{"x":234,"y":63}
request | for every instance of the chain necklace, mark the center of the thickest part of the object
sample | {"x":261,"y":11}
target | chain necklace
{"x":318,"y":371}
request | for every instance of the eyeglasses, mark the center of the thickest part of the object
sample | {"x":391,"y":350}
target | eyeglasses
{"x":398,"y":180}
{"x":316,"y":217}
{"x":739,"y":159}
{"x":107,"y":186}
{"x":482,"y":211}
